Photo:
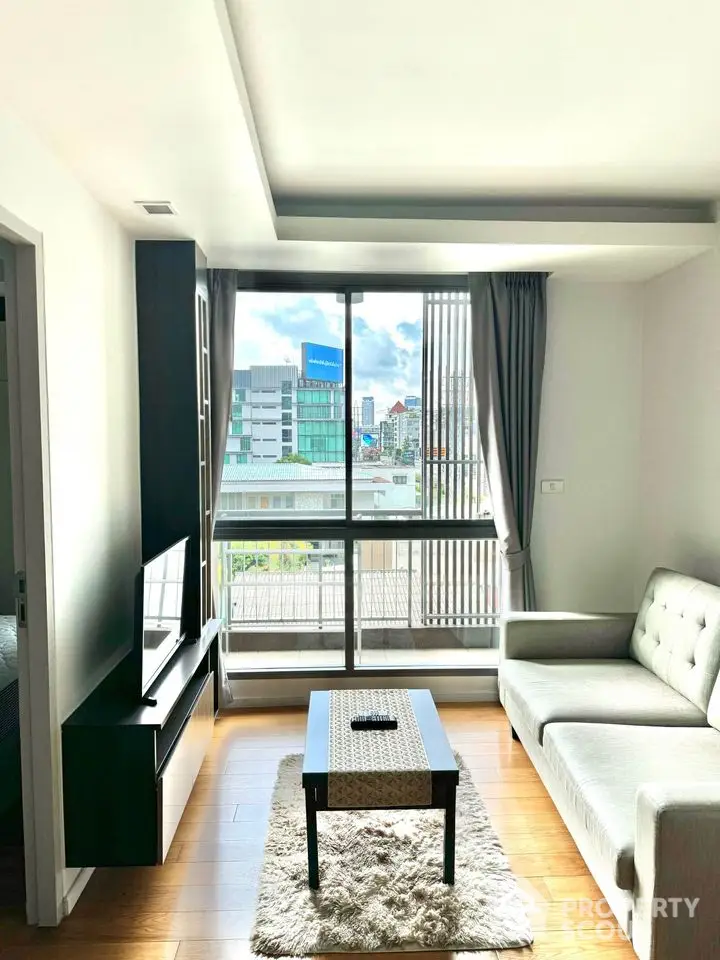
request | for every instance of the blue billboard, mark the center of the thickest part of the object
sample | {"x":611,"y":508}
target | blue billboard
{"x":322,"y":363}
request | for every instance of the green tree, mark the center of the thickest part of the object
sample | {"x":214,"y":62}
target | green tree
{"x":295,"y":458}
{"x":258,"y":562}
{"x":293,"y":562}
{"x":248,"y":561}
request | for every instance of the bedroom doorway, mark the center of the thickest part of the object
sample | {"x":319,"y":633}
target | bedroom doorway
{"x":30,"y":828}
{"x":12,"y":863}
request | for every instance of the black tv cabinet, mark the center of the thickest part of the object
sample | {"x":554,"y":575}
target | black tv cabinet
{"x":128,"y":769}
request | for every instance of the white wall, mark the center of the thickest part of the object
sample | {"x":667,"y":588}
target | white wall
{"x":584,"y":540}
{"x":93,"y":409}
{"x":680,"y":466}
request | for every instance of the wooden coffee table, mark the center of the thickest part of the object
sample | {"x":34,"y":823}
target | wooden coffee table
{"x":441,"y":761}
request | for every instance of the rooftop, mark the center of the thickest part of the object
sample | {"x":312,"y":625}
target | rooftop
{"x":254,"y":472}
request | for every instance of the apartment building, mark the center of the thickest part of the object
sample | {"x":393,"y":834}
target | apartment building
{"x":276,"y":412}
{"x":293,"y":489}
{"x":368,"y":412}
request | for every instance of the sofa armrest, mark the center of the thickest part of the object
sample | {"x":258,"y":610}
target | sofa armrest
{"x":677,"y":852}
{"x":569,"y":636}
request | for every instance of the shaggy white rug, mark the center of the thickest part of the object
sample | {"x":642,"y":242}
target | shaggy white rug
{"x":381,"y":883}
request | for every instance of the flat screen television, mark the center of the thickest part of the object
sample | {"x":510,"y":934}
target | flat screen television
{"x":160,"y":600}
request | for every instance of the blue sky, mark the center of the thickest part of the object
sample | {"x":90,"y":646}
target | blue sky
{"x":387,"y":337}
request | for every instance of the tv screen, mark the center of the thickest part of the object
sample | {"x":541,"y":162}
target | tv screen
{"x":162,"y":580}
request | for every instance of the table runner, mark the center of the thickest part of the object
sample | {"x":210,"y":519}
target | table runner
{"x":376,"y":768}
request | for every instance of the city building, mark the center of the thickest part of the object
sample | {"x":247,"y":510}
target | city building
{"x":366,"y":443}
{"x":277,"y":489}
{"x":388,"y":435}
{"x":409,"y":430}
{"x":280,"y":410}
{"x":402,"y":430}
{"x":368,"y":412}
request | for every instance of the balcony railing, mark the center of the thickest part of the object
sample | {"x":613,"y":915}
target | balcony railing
{"x":291,"y":585}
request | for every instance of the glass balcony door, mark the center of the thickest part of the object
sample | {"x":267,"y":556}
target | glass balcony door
{"x":353,"y":469}
{"x":426,"y":603}
{"x":284,"y":604}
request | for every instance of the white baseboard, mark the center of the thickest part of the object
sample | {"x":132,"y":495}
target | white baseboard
{"x":295,"y":692}
{"x":76,"y":889}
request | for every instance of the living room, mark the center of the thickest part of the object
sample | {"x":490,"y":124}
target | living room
{"x":254,"y":140}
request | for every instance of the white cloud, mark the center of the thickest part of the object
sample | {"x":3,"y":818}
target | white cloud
{"x":270,"y":327}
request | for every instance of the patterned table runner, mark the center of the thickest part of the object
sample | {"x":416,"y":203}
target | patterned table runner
{"x":376,"y":768}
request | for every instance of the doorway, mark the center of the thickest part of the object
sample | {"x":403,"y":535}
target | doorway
{"x":30,"y":827}
{"x":12,"y":865}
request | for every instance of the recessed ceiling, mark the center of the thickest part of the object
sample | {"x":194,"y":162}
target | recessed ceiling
{"x":278,"y":130}
{"x":600,"y":98}
{"x":140,"y":99}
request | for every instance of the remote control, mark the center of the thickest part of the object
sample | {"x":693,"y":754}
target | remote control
{"x":374,"y":721}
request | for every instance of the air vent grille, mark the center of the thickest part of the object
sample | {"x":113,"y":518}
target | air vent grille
{"x":157,"y":208}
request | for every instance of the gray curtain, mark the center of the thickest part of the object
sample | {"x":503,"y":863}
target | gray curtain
{"x":222,"y":288}
{"x":509,"y":320}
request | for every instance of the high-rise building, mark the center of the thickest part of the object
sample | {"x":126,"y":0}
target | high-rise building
{"x":368,"y":412}
{"x":403,"y":429}
{"x":276,"y":412}
{"x":320,"y":416}
{"x":388,"y":436}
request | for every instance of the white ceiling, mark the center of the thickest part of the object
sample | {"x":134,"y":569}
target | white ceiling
{"x":221,"y":110}
{"x":140,"y":98}
{"x":568,"y":261}
{"x":604,"y":98}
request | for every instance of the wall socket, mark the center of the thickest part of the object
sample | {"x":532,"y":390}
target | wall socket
{"x":552,"y":486}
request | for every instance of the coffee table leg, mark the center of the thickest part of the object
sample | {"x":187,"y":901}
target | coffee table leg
{"x":312,"y":839}
{"x":449,"y":866}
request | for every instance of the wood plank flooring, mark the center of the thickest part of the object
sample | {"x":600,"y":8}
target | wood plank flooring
{"x":199,"y":906}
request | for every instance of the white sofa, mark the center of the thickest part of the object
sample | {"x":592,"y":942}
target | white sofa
{"x":621,"y":716}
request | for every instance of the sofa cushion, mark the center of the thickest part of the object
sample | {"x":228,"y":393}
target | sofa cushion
{"x":713,"y":713}
{"x":598,"y":691}
{"x":677,"y":634}
{"x":601,"y":767}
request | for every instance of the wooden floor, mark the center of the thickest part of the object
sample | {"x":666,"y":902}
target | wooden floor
{"x":199,"y":906}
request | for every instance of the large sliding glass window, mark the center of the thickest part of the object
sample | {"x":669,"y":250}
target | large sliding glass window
{"x":357,"y":533}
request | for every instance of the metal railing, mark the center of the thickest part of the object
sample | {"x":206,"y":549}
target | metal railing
{"x":276,"y":585}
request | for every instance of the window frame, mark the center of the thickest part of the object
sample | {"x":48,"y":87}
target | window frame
{"x":347,"y":530}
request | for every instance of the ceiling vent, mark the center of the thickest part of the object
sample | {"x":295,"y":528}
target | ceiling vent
{"x":157,"y":208}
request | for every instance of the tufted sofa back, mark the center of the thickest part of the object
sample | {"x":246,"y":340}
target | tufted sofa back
{"x":677,"y":634}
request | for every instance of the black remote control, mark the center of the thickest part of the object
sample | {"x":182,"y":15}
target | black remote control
{"x":374,"y":721}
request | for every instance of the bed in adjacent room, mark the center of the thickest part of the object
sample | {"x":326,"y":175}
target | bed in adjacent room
{"x":10,"y":791}
{"x":8,"y":651}
{"x":9,"y":712}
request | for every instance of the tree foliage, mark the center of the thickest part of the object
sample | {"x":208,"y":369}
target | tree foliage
{"x":250,"y":555}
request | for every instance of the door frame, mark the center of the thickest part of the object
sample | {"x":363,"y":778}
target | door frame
{"x":30,"y":467}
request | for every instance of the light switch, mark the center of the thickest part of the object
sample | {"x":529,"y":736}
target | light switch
{"x":552,"y":486}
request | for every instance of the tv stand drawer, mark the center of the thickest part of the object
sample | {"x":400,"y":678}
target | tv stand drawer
{"x":180,"y":771}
